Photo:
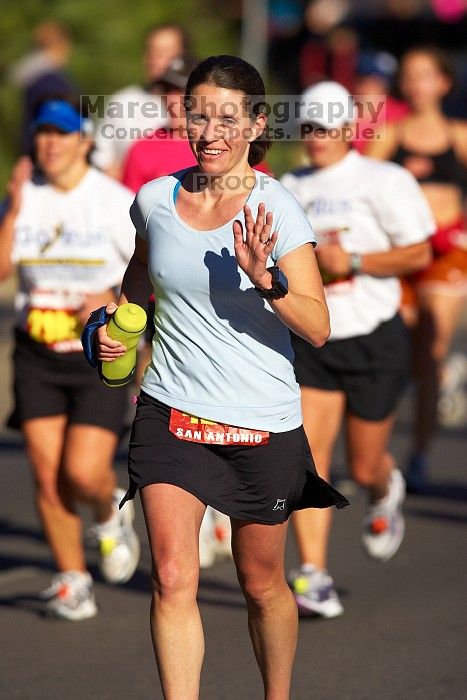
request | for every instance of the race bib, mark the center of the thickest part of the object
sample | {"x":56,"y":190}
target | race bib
{"x":57,"y":329}
{"x":194,"y":429}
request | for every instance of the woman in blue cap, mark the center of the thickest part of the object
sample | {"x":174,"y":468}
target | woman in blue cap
{"x":66,"y":230}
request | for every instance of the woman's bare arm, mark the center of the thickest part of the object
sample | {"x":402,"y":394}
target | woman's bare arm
{"x":136,"y":288}
{"x":21,"y":172}
{"x":303,"y":309}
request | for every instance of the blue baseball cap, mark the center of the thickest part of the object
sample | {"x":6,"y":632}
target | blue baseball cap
{"x":380,"y":64}
{"x":61,"y":115}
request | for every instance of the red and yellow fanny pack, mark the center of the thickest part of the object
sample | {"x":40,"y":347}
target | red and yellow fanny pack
{"x":193,"y":429}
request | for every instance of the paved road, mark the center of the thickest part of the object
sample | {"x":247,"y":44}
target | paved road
{"x":402,"y":636}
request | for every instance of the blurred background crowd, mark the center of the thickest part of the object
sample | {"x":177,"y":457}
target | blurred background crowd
{"x":88,"y":48}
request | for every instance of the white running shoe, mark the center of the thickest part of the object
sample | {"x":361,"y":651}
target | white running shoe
{"x":119,"y":546}
{"x":315,"y":592}
{"x":222,"y":535}
{"x":215,"y":537}
{"x":207,"y":554}
{"x":70,"y":596}
{"x":384,"y":525}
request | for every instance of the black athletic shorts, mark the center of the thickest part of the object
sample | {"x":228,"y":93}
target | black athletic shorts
{"x":48,"y":383}
{"x":262,"y":483}
{"x":372,"y":370}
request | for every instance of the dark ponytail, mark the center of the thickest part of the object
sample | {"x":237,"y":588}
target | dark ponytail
{"x":233,"y":73}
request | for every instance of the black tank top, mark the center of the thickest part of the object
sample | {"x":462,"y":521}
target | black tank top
{"x":443,"y":168}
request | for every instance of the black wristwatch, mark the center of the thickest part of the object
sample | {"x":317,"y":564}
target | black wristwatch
{"x":280,"y":285}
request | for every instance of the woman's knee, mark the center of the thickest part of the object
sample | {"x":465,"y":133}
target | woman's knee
{"x":261,"y":589}
{"x":174,"y":579}
{"x":435,"y":337}
{"x":363,"y":471}
{"x":84,"y":483}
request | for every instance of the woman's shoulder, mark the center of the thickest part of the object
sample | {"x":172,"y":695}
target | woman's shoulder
{"x":152,"y":191}
{"x":386,"y":140}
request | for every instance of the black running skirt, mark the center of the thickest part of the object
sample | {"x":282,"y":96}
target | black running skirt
{"x":262,"y":483}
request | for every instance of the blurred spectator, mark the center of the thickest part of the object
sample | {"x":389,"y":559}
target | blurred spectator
{"x":372,"y":85}
{"x":167,"y":149}
{"x":140,"y":108}
{"x":285,"y":17}
{"x":42,"y":72}
{"x":434,"y":148}
{"x":331,"y":51}
{"x":323,"y":46}
{"x":449,"y":10}
{"x":397,"y":25}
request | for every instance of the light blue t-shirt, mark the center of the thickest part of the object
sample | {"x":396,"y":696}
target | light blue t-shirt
{"x":219,"y":351}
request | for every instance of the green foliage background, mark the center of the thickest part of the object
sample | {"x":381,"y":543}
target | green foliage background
{"x":107,"y":38}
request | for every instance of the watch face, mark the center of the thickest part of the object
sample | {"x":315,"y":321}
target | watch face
{"x":280,"y":285}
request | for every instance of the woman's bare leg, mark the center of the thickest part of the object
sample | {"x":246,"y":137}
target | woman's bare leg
{"x":439,"y":315}
{"x":45,"y":439}
{"x":369,"y":461}
{"x":272,"y":613}
{"x":88,"y":466}
{"x":322,"y":416}
{"x":173,"y":518}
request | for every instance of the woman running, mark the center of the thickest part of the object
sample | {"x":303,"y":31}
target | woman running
{"x":229,"y":255}
{"x":372,"y":223}
{"x":65,"y":227}
{"x":434,"y":149}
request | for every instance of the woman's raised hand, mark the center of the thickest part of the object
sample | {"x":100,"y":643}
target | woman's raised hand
{"x":22,"y":172}
{"x":253,"y":250}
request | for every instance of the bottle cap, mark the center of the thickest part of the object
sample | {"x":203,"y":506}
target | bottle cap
{"x":130,"y":318}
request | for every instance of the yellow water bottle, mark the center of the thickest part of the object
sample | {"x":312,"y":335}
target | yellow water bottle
{"x":127,"y":324}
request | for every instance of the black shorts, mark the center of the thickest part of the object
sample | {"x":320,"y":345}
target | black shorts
{"x":372,"y":370}
{"x":262,"y":483}
{"x":48,"y":383}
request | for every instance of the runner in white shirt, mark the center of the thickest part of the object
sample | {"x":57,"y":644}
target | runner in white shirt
{"x":136,"y":111}
{"x":372,"y":223}
{"x":66,"y":229}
